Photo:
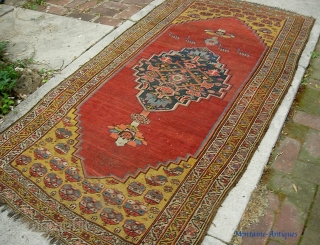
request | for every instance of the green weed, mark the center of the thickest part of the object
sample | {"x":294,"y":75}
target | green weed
{"x":304,"y":81}
{"x":315,"y":54}
{"x":24,"y":63}
{"x":33,"y":4}
{"x":46,"y":74}
{"x":8,"y":75}
{"x":6,"y":103}
{"x":3,"y":46}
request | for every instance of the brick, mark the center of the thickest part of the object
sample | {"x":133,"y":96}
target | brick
{"x":43,"y":8}
{"x":273,"y":201}
{"x":307,"y":119}
{"x":88,"y":5}
{"x":115,"y":5}
{"x":315,"y":63}
{"x":307,"y":171}
{"x":296,"y":131}
{"x":314,"y":84}
{"x":309,"y":100}
{"x":82,"y":16}
{"x":288,"y":153}
{"x":316,"y":109}
{"x":75,"y":3}
{"x":137,"y":2}
{"x":126,"y":14}
{"x":262,"y":229}
{"x":314,"y":219}
{"x":58,"y":2}
{"x":284,"y":183}
{"x":310,"y":237}
{"x":54,"y":10}
{"x":105,"y":11}
{"x":289,"y":221}
{"x":315,"y":74}
{"x":272,"y":242}
{"x":310,"y":151}
{"x":108,"y":21}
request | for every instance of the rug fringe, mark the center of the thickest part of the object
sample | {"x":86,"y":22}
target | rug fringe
{"x":19,"y":218}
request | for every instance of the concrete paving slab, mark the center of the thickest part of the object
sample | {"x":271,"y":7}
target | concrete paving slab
{"x":54,"y":41}
{"x":5,"y":9}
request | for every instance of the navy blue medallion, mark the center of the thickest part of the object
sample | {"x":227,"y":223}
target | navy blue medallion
{"x":178,"y":78}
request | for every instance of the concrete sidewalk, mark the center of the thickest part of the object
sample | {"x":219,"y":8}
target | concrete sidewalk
{"x":63,"y":42}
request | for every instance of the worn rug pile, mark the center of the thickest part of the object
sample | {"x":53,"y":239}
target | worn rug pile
{"x":142,"y":143}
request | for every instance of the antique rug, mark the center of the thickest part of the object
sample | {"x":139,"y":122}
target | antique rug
{"x":142,"y":143}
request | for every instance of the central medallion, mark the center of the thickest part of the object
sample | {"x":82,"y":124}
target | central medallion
{"x":178,"y":78}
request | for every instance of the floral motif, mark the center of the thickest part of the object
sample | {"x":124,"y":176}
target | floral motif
{"x":69,"y":193}
{"x":63,"y":133}
{"x":42,"y":153}
{"x":134,"y":208}
{"x":23,"y":160}
{"x":111,"y":216}
{"x":153,"y":197}
{"x":58,"y":163}
{"x":38,"y":170}
{"x":91,"y":187}
{"x":127,"y":134}
{"x":133,"y":227}
{"x":136,"y":188}
{"x":113,"y":196}
{"x":52,"y":180}
{"x":88,"y":205}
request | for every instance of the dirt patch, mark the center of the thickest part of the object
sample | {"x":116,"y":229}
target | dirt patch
{"x":29,"y":81}
{"x":257,"y":205}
